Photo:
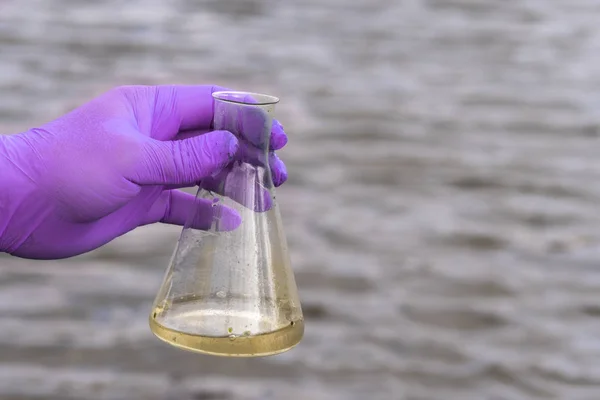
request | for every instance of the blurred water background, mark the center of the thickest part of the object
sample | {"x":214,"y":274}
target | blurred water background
{"x":442,"y":208}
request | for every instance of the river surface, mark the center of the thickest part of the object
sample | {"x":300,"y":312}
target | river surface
{"x":442,"y":211}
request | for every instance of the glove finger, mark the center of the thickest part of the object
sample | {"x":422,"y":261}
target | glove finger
{"x":184,"y":162}
{"x":278,"y":136}
{"x":278,"y":173}
{"x":278,"y":170}
{"x":277,"y":141}
{"x":179,"y":208}
{"x":194,"y":105}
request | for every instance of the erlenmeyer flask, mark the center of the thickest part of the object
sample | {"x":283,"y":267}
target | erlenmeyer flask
{"x":230,"y":290}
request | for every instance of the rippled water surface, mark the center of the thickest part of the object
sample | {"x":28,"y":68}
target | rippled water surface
{"x":442,"y":208}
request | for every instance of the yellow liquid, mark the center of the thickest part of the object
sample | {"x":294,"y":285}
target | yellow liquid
{"x":232,"y":344}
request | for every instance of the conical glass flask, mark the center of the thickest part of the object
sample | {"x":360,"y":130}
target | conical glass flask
{"x":230,"y":290}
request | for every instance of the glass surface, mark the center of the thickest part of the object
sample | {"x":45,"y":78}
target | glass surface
{"x":232,"y":292}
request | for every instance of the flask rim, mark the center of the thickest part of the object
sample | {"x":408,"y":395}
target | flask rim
{"x":241,"y":97}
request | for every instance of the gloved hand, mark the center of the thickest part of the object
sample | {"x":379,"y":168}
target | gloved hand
{"x":109,"y":166}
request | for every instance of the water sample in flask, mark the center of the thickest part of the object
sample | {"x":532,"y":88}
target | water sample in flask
{"x":229,"y":290}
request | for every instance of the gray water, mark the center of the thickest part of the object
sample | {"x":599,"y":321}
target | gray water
{"x":442,"y":208}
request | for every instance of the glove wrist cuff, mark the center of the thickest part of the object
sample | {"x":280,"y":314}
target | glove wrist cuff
{"x":4,"y":186}
{"x":13,"y":191}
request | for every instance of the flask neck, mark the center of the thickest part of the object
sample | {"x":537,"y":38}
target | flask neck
{"x":251,"y":124}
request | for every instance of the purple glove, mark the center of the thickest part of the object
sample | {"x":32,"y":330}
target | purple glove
{"x":111,"y":165}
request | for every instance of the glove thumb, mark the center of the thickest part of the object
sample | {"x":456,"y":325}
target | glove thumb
{"x":185,"y":162}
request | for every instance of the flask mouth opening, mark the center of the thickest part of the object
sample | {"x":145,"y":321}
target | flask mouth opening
{"x":247,"y":98}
